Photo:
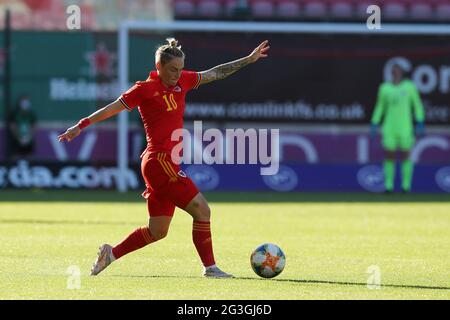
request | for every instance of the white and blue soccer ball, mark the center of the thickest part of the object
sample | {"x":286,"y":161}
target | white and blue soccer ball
{"x":268,"y":260}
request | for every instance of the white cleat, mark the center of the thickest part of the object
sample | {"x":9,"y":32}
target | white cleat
{"x":104,"y":259}
{"x":215,"y":272}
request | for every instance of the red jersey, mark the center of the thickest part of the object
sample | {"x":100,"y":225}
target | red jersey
{"x":161,"y":107}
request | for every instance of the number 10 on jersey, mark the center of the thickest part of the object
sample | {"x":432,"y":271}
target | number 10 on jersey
{"x":170,"y":102}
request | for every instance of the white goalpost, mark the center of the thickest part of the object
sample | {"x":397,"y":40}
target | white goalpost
{"x":243,"y":27}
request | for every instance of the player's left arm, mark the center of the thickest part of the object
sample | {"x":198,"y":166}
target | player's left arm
{"x":419,"y":111}
{"x":224,"y":70}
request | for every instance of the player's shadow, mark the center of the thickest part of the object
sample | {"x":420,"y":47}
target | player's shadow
{"x":332,"y":197}
{"x":300,"y":281}
{"x":350,"y":283}
{"x":66,"y":222}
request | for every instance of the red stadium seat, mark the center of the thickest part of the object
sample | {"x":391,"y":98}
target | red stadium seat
{"x":288,"y":8}
{"x":314,"y":9}
{"x":341,"y":9}
{"x":442,"y":11}
{"x":230,"y":6}
{"x":209,"y":8}
{"x":39,"y":5}
{"x":42,"y":20}
{"x":262,"y":8}
{"x":392,"y":10}
{"x":184,"y":8}
{"x":421,"y":11}
{"x":88,"y":20}
{"x":395,"y":10}
{"x":49,"y":15}
{"x":20,"y":21}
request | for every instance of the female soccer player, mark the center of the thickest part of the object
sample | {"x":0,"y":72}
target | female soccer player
{"x":161,"y":103}
{"x":396,"y":103}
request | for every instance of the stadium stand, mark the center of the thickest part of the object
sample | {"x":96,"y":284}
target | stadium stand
{"x":95,"y":14}
{"x":315,"y":10}
{"x":106,"y":14}
{"x":395,"y":10}
{"x":442,"y":10}
{"x":184,"y":8}
{"x":209,"y":9}
{"x":341,"y":10}
{"x":421,"y":11}
{"x":288,"y":9}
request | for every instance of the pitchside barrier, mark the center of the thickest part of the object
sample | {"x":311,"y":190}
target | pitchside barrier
{"x":290,"y":177}
{"x":310,"y":159}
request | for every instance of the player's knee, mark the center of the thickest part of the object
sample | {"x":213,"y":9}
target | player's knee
{"x":199,"y":210}
{"x":389,"y":155}
{"x":202,"y":213}
{"x":159,"y":234}
{"x":404,"y":155}
{"x":206,"y":212}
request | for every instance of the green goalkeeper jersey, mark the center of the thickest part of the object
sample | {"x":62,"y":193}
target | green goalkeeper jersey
{"x":396,"y":104}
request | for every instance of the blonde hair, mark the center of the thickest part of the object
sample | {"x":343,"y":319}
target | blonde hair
{"x":167,"y":52}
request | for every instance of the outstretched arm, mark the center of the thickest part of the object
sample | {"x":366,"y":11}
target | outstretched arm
{"x":99,"y":115}
{"x":224,"y":70}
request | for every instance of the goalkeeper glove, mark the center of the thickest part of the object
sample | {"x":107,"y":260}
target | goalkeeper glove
{"x":420,"y":129}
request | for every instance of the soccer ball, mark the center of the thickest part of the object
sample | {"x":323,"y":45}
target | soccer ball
{"x":268,"y":260}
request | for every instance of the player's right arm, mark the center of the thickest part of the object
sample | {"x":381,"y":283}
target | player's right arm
{"x":99,"y":115}
{"x":127,"y":101}
{"x":380,"y":107}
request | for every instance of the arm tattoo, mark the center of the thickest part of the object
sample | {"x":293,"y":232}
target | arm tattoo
{"x":224,"y":70}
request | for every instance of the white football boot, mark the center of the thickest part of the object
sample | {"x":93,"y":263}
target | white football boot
{"x":215,"y":272}
{"x":104,"y":259}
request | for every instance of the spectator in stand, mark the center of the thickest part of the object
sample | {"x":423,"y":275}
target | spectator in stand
{"x":22,"y":123}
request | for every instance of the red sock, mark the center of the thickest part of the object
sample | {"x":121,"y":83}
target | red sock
{"x":137,"y":239}
{"x":201,"y":234}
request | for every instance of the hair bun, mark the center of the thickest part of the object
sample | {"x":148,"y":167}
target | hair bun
{"x":172,"y":42}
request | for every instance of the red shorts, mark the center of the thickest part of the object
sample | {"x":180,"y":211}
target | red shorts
{"x":167,"y":185}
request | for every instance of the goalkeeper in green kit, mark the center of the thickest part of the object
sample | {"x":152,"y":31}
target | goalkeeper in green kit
{"x":398,"y":105}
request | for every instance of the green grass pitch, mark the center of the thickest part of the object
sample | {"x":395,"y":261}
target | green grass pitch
{"x":330,"y":241}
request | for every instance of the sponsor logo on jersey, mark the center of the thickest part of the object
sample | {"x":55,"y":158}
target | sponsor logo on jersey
{"x":177,"y":89}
